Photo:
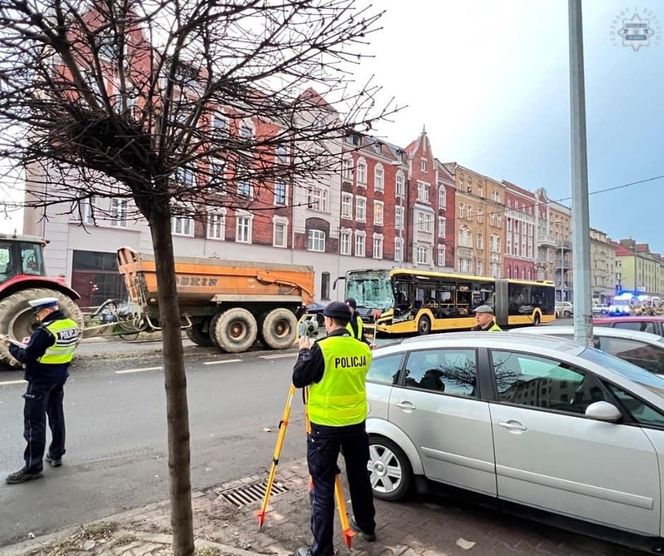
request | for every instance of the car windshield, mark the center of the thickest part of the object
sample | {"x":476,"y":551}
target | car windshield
{"x":654,"y":383}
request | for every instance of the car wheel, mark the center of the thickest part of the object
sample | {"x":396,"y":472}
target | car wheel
{"x":567,"y":314}
{"x":389,"y":469}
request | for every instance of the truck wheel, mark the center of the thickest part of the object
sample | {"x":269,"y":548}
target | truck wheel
{"x":199,"y":333}
{"x":279,"y":329}
{"x":16,"y":318}
{"x":234,"y":330}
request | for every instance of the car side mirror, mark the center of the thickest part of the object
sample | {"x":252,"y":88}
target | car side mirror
{"x":603,"y":411}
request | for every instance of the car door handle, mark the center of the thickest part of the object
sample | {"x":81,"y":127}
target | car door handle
{"x":513,"y":426}
{"x":408,"y":406}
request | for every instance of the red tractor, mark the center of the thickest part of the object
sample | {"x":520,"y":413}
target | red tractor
{"x":22,"y":278}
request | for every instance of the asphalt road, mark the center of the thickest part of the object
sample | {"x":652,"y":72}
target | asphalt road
{"x":116,"y":433}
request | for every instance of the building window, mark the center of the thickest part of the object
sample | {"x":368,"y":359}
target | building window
{"x":280,"y":192}
{"x":379,"y":175}
{"x":325,"y":285}
{"x":360,"y":244}
{"x":217,"y":174}
{"x":316,"y":240}
{"x":378,"y":213}
{"x":442,"y":198}
{"x":281,"y":155}
{"x":243,"y":225}
{"x":184,"y":177}
{"x":361,"y":209}
{"x":496,"y":196}
{"x":246,"y":132}
{"x":361,"y":172}
{"x":400,"y":184}
{"x":398,"y":249}
{"x":280,"y":232}
{"x":480,"y":190}
{"x":347,"y":168}
{"x":216,"y":225}
{"x":118,"y":213}
{"x":480,"y":268}
{"x":377,"y":246}
{"x":480,"y":215}
{"x":422,"y":192}
{"x":462,"y":211}
{"x":424,"y":222}
{"x":441,"y":255}
{"x":480,"y":240}
{"x":344,"y":242}
{"x":244,"y":188}
{"x":442,"y":222}
{"x":182,"y":226}
{"x":219,"y":126}
{"x":495,"y":243}
{"x":318,"y":198}
{"x":398,"y":218}
{"x":422,"y":254}
{"x":470,"y":212}
{"x":423,"y":165}
{"x":86,"y":208}
{"x":346,"y":205}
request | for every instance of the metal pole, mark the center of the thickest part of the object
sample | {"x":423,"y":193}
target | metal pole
{"x":583,"y":325}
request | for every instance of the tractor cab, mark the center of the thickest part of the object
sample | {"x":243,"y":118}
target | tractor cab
{"x":21,"y":256}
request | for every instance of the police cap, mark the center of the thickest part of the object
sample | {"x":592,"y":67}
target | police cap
{"x":338,"y":311}
{"x":43,"y":303}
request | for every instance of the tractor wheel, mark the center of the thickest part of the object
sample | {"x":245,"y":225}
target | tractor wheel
{"x":16,"y":318}
{"x":234,"y":330}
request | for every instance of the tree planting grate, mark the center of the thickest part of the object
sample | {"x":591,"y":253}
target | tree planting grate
{"x":250,"y":493}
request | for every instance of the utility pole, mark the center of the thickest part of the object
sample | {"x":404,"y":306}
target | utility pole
{"x":583,"y":325}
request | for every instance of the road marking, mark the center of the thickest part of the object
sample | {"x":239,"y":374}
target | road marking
{"x":280,"y":356}
{"x":8,"y":382}
{"x":138,"y":370}
{"x":221,"y":362}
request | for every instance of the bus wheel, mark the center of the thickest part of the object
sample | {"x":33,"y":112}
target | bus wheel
{"x":424,"y":326}
{"x":537,"y":319}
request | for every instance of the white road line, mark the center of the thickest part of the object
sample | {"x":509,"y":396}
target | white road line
{"x":279,"y":356}
{"x":138,"y":370}
{"x":221,"y":362}
{"x":7,"y":383}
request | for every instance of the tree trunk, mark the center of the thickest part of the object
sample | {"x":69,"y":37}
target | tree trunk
{"x":177,"y":410}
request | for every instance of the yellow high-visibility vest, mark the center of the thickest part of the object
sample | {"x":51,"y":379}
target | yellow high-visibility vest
{"x":67,"y":335}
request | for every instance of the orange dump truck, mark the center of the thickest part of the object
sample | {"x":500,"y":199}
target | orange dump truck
{"x":229,"y":304}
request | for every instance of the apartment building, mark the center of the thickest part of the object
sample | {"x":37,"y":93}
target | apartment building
{"x":520,"y":247}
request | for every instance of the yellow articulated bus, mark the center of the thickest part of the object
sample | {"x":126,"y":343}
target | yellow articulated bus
{"x":402,"y":301}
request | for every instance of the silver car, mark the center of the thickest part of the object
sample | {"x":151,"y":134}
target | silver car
{"x":641,"y":348}
{"x":533,"y":420}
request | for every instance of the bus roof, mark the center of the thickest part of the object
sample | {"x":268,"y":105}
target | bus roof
{"x":451,"y":275}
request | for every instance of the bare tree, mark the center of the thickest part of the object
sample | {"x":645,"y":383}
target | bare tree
{"x":178,"y":106}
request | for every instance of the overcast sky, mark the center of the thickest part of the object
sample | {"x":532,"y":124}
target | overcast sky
{"x":490,"y":81}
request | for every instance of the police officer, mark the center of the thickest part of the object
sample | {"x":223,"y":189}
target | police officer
{"x":485,"y":319}
{"x":334,"y":369}
{"x":46,"y":358}
{"x":356,"y":325}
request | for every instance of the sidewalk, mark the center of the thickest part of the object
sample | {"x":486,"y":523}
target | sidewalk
{"x":225,"y":524}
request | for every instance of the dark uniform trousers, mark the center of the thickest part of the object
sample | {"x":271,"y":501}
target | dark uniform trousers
{"x":43,"y":399}
{"x":323,"y":446}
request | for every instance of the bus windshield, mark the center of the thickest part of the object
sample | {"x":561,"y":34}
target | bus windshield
{"x":371,"y":290}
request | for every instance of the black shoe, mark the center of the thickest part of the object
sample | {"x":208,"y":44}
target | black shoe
{"x":21,"y":476}
{"x":55,"y":462}
{"x":303,"y":551}
{"x":369,"y":537}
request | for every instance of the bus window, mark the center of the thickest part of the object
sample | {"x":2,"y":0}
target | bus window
{"x":483,"y":294}
{"x":464,"y":300}
{"x":520,"y":299}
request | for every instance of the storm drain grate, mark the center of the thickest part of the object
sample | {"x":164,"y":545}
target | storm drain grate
{"x":250,"y":493}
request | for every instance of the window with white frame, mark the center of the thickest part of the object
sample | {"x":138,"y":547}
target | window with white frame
{"x":280,"y":231}
{"x":422,"y":192}
{"x":182,"y":226}
{"x":280,"y":192}
{"x":400,"y":184}
{"x":244,"y":188}
{"x":480,"y":268}
{"x":441,"y":255}
{"x":480,"y":240}
{"x":480,"y":189}
{"x":465,"y":266}
{"x":216,"y":224}
{"x":480,"y":215}
{"x":346,"y":205}
{"x":360,"y":244}
{"x":86,"y":209}
{"x":344,"y":242}
{"x":379,"y":178}
{"x":442,"y":197}
{"x":316,"y":240}
{"x":470,"y":212}
{"x":319,"y":196}
{"x":422,"y":254}
{"x":423,"y":165}
{"x":281,"y":155}
{"x":347,"y":168}
{"x":361,"y":172}
{"x":361,"y":209}
{"x":398,"y":249}
{"x":494,"y":269}
{"x":424,"y":222}
{"x":398,"y":218}
{"x":243,"y":228}
{"x":442,"y":222}
{"x":378,"y":213}
{"x":496,"y":196}
{"x":118,"y":213}
{"x":378,"y":246}
{"x":465,"y":237}
{"x":495,"y":243}
{"x":217,"y":174}
{"x":184,"y":177}
{"x":246,"y":131}
{"x":219,"y":126}
{"x":493,"y":218}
